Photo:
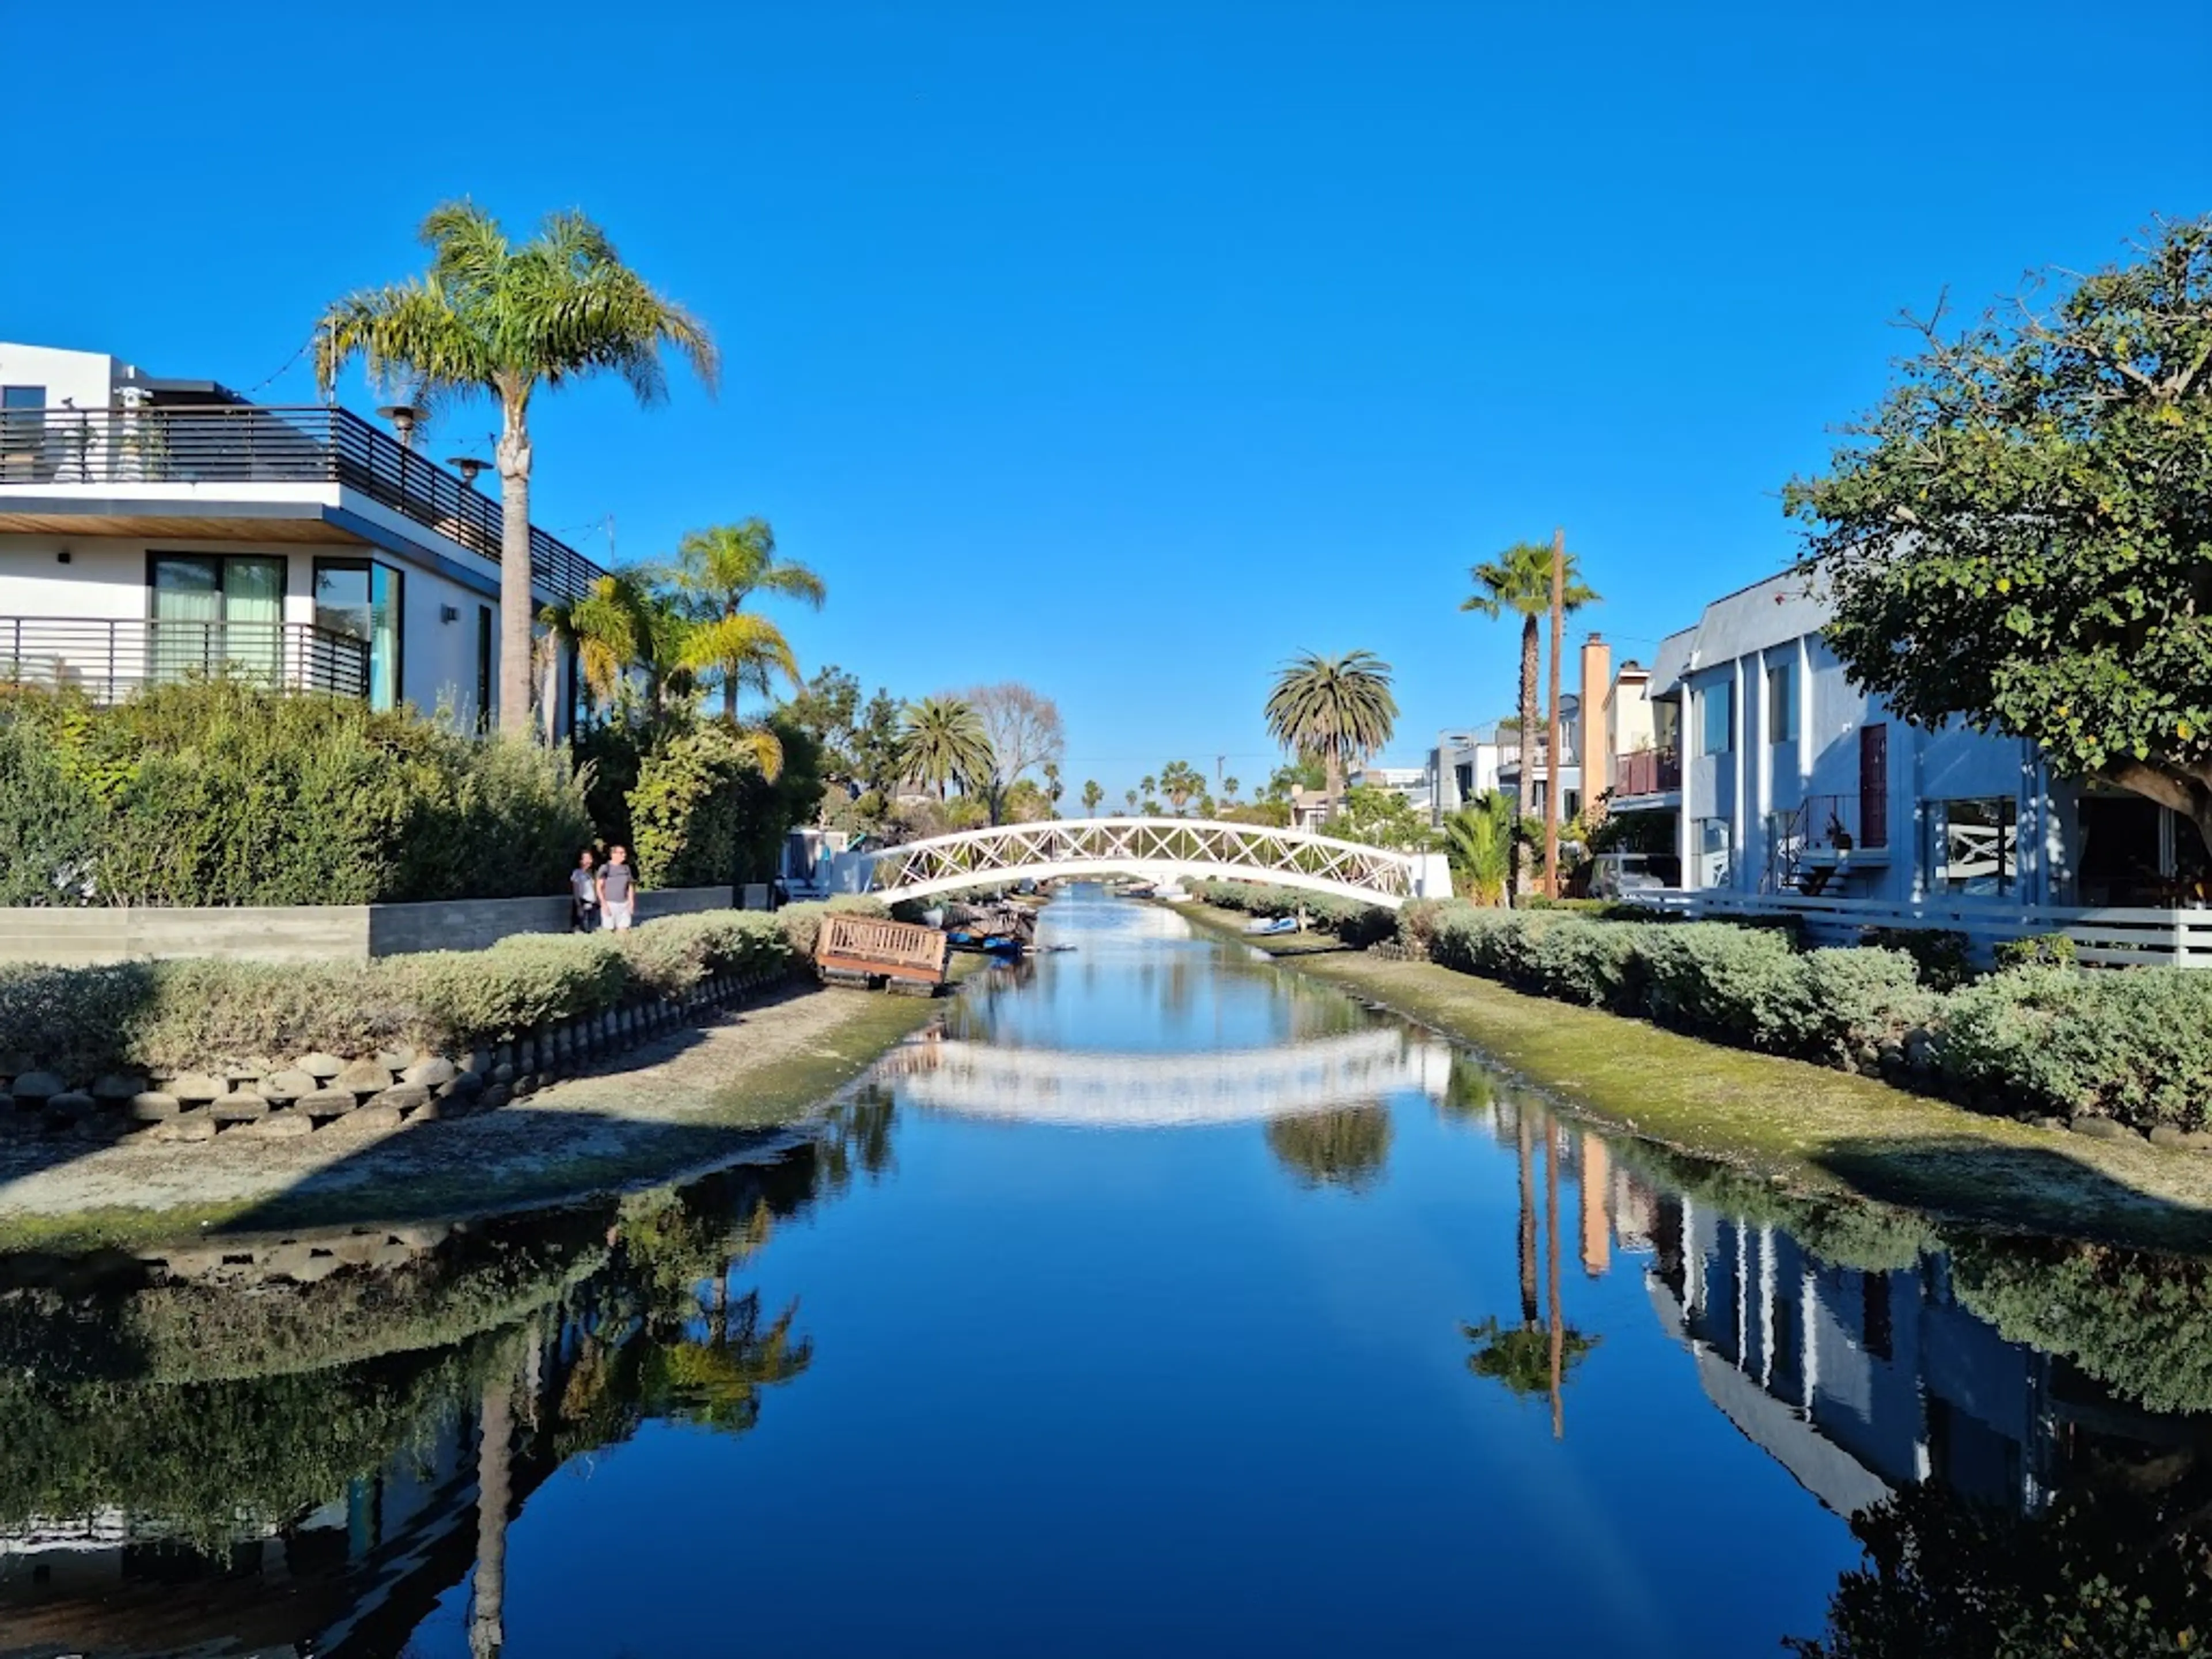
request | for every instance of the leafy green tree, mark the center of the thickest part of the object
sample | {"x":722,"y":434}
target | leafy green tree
{"x":1519,"y":580}
{"x":942,"y":742}
{"x":1478,"y":840}
{"x":1092,"y":794}
{"x":717,"y":570}
{"x":1229,"y":788}
{"x":1286,"y":781}
{"x":1334,"y":710}
{"x":2016,"y":537}
{"x":1380,"y":818}
{"x":496,"y":319}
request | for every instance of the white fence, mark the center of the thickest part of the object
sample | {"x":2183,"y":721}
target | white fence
{"x":2115,"y":938}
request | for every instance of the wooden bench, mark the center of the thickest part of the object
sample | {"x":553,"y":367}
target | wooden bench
{"x":856,"y":947}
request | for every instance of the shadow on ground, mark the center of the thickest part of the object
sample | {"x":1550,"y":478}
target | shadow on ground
{"x":2016,"y":1188}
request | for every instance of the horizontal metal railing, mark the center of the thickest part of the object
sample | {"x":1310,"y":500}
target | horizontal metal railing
{"x":242,"y":443}
{"x":1650,"y":772}
{"x":108,"y":659}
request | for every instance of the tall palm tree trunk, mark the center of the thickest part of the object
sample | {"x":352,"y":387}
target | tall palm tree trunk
{"x":730,"y":686}
{"x":1552,"y":1271}
{"x":494,"y":1449}
{"x":1525,"y":1135}
{"x":516,"y":612}
{"x":1525,"y":792}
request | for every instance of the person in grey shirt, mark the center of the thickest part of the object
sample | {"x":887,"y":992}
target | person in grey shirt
{"x":617,"y":890}
{"x":584,"y":894}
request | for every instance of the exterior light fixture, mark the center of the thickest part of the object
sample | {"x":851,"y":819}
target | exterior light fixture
{"x":403,"y":417}
{"x":468,"y":466}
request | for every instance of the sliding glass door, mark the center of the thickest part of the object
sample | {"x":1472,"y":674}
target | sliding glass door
{"x":212,"y":613}
{"x":359,"y":598}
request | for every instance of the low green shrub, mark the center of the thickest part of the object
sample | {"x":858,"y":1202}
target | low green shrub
{"x":2135,"y":1045}
{"x":2037,"y":951}
{"x":189,"y":1014}
{"x":1944,"y":957}
{"x":1745,"y":985}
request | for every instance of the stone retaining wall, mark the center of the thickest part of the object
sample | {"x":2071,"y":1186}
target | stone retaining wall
{"x":70,"y":936}
{"x":267,"y":1098}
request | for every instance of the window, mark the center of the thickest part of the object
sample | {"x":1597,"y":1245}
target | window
{"x":1463,"y":780}
{"x":359,"y":598}
{"x":1718,"y":706}
{"x":23,"y":434}
{"x":1977,"y":846}
{"x":483,"y":668}
{"x":208,"y":613}
{"x":1781,"y":711}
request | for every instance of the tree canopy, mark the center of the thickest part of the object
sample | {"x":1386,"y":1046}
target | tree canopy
{"x":2019,"y":536}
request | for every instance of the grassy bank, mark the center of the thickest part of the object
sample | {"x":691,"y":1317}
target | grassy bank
{"x":692,"y":1101}
{"x":1803,"y":1127}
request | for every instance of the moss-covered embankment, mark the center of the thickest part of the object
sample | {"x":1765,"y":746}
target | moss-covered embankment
{"x":1799,"y":1125}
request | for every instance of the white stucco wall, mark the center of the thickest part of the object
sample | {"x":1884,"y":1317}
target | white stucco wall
{"x":87,"y":378}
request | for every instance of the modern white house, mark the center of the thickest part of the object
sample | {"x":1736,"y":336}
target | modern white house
{"x":1780,"y":780}
{"x":154,"y":528}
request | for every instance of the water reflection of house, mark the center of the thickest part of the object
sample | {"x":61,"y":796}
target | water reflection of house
{"x":1856,"y":1382}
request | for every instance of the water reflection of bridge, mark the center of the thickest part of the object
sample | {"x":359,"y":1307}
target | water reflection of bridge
{"x":1105,"y":1090}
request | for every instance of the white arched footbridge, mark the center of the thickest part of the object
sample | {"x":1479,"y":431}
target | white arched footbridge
{"x":1156,"y":849}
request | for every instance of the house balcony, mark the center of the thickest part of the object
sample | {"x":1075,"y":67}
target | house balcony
{"x":49,"y":458}
{"x":1647,"y":775}
{"x":108,"y":660}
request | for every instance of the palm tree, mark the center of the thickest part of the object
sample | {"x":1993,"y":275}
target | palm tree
{"x":717,"y":570}
{"x":1229,"y":788}
{"x":1179,"y":780}
{"x":607,"y":628}
{"x":1130,"y":796}
{"x":1334,"y":710}
{"x":941,"y":741}
{"x":1092,"y":794}
{"x":502,"y":320}
{"x":1519,"y":580}
{"x":1478,"y":840}
{"x":1537,"y":1356}
{"x":1148,"y":783}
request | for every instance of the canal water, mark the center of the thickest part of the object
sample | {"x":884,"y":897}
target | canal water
{"x":1155,"y":1301}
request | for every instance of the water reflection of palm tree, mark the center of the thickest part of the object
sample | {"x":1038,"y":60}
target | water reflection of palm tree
{"x":1347,"y":1147}
{"x":1540,"y":1353}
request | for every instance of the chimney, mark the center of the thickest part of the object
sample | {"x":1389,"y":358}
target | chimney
{"x":1597,"y":744}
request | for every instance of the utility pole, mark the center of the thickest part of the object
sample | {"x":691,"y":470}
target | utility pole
{"x":1553,"y":768}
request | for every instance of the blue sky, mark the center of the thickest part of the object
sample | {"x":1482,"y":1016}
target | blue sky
{"x":1128,"y":350}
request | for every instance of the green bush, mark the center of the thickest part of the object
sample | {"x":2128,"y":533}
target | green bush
{"x":1742,"y":985}
{"x":2134,"y":1044}
{"x":2037,"y":951}
{"x":217,"y":792}
{"x":189,"y":1014}
{"x":1944,"y":957}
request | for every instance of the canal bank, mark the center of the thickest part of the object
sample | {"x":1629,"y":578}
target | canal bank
{"x":1805,"y":1128}
{"x":689,"y":1101}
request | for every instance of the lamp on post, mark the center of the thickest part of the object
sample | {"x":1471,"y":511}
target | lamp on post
{"x":468,"y":466}
{"x":404,"y":418}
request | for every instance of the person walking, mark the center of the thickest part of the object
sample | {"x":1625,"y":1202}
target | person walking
{"x":618,"y":890}
{"x":584,"y":894}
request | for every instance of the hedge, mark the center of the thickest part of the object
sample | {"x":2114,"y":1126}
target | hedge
{"x":1351,"y":920}
{"x":214,"y":792}
{"x":191,"y":1013}
{"x":2133,"y":1045}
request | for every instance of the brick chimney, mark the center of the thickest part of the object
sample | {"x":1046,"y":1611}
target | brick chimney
{"x":1597,"y":756}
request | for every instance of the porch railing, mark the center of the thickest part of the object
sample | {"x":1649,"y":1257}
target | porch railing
{"x":1648,"y":772}
{"x":242,"y":443}
{"x":108,"y":659}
